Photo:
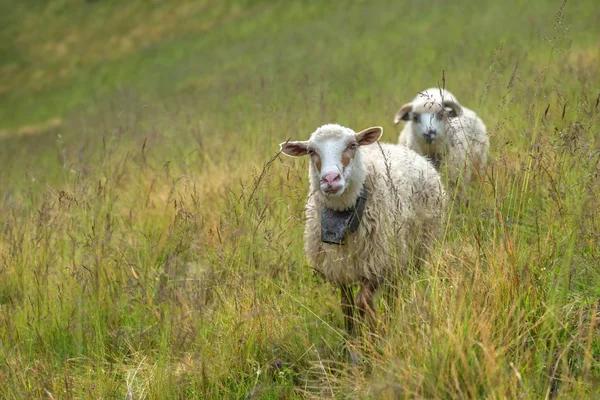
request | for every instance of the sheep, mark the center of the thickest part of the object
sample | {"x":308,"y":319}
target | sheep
{"x":439,"y":127}
{"x":369,"y":204}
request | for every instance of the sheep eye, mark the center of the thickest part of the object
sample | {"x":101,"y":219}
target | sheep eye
{"x":352,"y":145}
{"x":415,"y":117}
{"x":311,"y":152}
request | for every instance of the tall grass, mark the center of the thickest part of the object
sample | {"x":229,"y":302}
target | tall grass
{"x":151,"y":242}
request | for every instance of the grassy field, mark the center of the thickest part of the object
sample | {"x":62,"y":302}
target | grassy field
{"x":151,"y":237}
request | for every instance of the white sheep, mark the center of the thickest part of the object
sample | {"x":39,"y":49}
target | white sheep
{"x":369,"y":204}
{"x":439,"y":127}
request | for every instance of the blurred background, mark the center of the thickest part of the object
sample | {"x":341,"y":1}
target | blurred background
{"x":151,"y":238}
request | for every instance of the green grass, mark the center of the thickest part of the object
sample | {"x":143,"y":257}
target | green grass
{"x":151,"y":242}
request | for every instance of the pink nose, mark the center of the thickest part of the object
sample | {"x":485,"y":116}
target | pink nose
{"x":331,"y":177}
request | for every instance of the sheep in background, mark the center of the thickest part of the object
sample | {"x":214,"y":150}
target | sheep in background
{"x":439,"y":127}
{"x":369,"y":204}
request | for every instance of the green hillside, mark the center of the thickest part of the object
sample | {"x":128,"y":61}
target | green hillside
{"x":151,"y":237}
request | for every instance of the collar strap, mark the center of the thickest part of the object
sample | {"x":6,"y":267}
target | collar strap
{"x":337,"y":225}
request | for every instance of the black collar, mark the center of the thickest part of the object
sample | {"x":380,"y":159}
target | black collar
{"x":337,"y":225}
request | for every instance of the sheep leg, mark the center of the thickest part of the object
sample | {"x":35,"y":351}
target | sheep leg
{"x":364,"y":301}
{"x":348,"y":307}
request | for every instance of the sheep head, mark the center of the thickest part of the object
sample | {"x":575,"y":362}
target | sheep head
{"x":428,"y":115}
{"x":334,"y":154}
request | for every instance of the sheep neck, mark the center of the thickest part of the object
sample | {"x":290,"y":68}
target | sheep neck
{"x":337,"y":225}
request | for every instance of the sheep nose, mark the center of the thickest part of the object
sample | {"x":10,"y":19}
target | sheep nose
{"x":331,"y":177}
{"x":430,"y":136}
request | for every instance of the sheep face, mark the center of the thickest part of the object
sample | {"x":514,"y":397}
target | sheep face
{"x":428,"y":115}
{"x":334,"y":153}
{"x":428,"y":121}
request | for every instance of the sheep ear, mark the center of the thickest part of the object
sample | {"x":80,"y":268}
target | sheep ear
{"x":402,"y":113}
{"x":453,"y":109}
{"x":369,"y":135}
{"x":294,"y":149}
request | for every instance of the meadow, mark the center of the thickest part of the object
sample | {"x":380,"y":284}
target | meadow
{"x":151,"y":234}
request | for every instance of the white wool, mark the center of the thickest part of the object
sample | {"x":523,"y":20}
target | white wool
{"x":404,"y":209}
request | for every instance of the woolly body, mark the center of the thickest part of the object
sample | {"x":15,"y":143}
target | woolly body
{"x":405,"y":205}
